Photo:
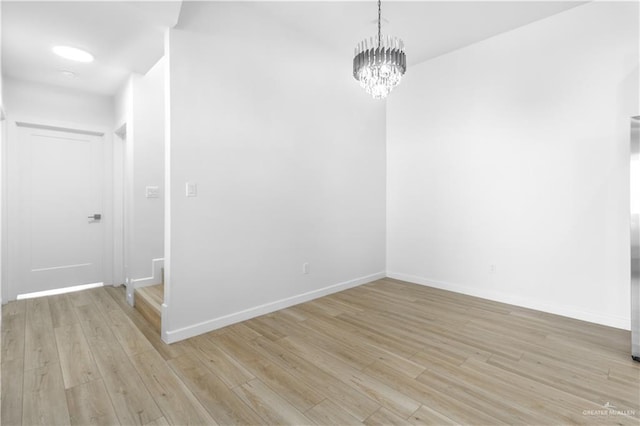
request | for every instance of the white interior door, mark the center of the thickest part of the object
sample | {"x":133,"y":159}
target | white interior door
{"x":61,"y":179}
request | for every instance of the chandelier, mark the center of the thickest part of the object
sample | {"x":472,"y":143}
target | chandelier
{"x":379,"y":63}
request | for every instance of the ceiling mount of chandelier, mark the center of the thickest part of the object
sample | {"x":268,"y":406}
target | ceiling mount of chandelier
{"x":379,"y":62}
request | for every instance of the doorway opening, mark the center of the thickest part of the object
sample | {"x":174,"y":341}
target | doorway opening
{"x":143,"y":291}
{"x":143,"y":157}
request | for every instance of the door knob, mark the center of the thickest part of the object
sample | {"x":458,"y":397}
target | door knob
{"x":96,"y":216}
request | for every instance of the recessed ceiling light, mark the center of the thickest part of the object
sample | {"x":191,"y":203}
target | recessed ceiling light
{"x":68,"y":73}
{"x":73,"y":53}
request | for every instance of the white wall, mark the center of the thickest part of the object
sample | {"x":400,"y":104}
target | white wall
{"x":147,"y":241}
{"x":123,"y":103}
{"x":289,"y":157}
{"x":513,"y":152}
{"x":27,"y":100}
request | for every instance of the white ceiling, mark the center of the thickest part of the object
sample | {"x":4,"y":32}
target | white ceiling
{"x":428,"y":28}
{"x":128,"y":36}
{"x":123,"y":37}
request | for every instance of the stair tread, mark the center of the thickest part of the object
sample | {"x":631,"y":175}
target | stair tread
{"x":154,"y":295}
{"x":148,"y":301}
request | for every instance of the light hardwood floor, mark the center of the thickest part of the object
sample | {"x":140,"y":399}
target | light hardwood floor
{"x":383,"y":353}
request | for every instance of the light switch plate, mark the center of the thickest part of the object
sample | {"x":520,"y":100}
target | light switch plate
{"x":192,"y":189}
{"x":152,"y":192}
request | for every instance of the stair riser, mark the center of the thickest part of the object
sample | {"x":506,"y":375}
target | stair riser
{"x":149,"y":311}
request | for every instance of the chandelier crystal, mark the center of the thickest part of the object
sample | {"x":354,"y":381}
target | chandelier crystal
{"x":379,"y":62}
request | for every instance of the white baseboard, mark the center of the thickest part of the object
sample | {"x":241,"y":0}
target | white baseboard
{"x":213,"y":324}
{"x":155,"y":278}
{"x":566,"y":311}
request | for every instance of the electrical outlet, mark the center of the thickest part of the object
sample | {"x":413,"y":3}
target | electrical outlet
{"x":492,"y":269}
{"x":305,"y":268}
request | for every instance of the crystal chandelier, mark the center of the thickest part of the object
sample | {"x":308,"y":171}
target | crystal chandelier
{"x":379,"y":63}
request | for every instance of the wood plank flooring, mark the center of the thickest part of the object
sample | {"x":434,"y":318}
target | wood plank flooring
{"x":386,"y":353}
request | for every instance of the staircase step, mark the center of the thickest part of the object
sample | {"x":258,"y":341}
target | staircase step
{"x":148,"y":301}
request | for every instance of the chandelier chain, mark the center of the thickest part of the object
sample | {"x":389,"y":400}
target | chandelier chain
{"x":379,"y":22}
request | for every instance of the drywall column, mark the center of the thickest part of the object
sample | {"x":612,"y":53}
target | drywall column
{"x":288,"y":156}
{"x":123,"y":143}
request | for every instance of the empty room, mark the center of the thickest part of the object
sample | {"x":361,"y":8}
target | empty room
{"x":320,"y":212}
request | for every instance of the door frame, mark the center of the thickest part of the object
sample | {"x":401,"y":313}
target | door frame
{"x":10,"y":259}
{"x":123,"y":178}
